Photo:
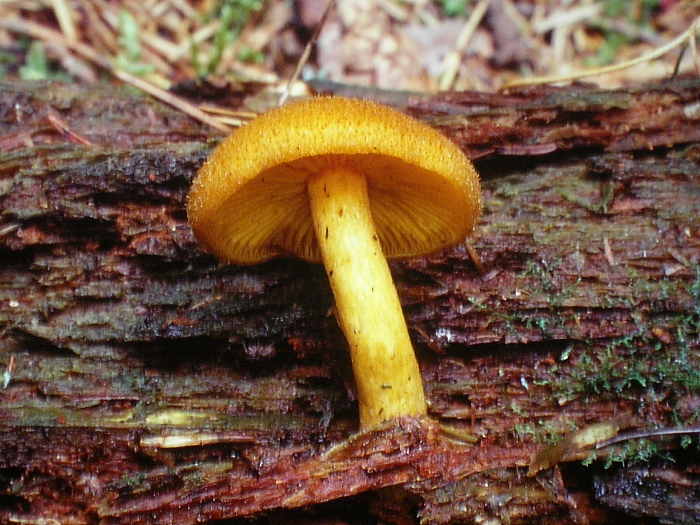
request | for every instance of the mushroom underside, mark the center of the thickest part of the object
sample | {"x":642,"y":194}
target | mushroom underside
{"x":413,"y":209}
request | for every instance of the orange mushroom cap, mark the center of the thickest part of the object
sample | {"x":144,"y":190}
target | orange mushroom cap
{"x":249,"y":202}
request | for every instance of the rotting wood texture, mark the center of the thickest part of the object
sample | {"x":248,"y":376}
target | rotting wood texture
{"x":147,"y":383}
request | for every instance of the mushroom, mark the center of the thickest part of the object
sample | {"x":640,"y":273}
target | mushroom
{"x":349,"y":183}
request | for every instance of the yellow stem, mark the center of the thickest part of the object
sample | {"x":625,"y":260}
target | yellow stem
{"x":369,"y":312}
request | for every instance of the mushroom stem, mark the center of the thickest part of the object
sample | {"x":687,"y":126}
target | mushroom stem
{"x":368,"y":308}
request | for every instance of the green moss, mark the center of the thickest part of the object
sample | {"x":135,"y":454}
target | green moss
{"x":656,"y":361}
{"x":633,"y":451}
{"x":554,"y":319}
{"x":639,"y":359}
{"x":632,"y":362}
{"x":602,"y":206}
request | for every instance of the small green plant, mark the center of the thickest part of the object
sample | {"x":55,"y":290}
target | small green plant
{"x":454,"y":7}
{"x":608,"y":51}
{"x":636,"y":13}
{"x":130,"y":59}
{"x":36,"y":66}
{"x":233,"y":15}
{"x":251,"y":56}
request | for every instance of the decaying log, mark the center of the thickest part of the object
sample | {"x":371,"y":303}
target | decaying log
{"x":147,"y":383}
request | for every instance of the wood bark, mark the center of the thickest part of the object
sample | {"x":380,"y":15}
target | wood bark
{"x":145,"y":382}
